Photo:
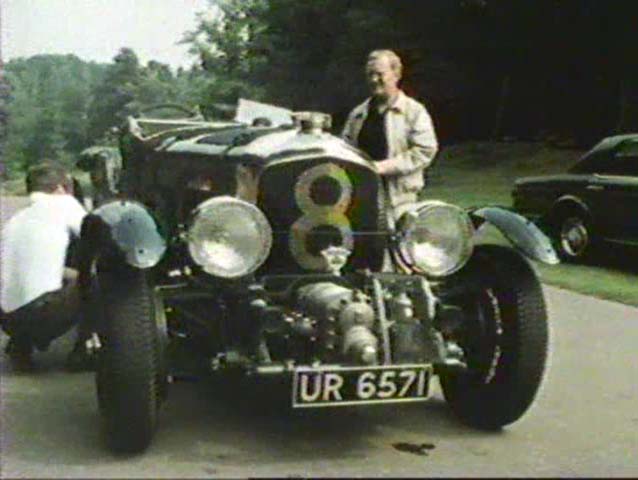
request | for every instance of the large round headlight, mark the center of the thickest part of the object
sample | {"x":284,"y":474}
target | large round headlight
{"x":436,"y":238}
{"x":229,"y":237}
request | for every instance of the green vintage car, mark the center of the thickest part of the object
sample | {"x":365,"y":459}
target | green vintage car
{"x":266,"y":247}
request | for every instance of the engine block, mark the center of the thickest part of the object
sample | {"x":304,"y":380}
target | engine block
{"x":345,"y":320}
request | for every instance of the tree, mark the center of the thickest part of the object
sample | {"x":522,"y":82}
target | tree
{"x":158,"y":85}
{"x":228,"y":40}
{"x":54,"y":106}
{"x":114,"y":94}
{"x":46,"y":97}
{"x":483,"y":67}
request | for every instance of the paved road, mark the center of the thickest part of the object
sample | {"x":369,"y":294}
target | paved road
{"x":584,"y":423}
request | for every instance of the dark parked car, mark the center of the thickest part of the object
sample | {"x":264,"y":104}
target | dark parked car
{"x":269,"y":251}
{"x":596,"y":199}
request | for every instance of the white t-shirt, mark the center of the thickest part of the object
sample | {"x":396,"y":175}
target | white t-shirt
{"x":33,"y":247}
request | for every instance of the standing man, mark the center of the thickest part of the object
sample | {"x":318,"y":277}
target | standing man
{"x":39,"y":299}
{"x":395,"y":130}
{"x":104,"y":165}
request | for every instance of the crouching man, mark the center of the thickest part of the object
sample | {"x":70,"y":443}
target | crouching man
{"x":39,"y":298}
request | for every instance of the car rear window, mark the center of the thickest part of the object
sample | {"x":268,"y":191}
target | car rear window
{"x":623,"y":161}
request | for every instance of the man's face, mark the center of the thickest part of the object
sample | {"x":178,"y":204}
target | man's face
{"x":382,"y":80}
{"x":65,"y":188}
{"x":97,"y":177}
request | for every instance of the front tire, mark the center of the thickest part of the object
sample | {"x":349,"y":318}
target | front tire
{"x":128,"y":371}
{"x":505,"y":341}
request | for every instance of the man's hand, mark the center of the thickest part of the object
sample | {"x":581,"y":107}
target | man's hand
{"x":70,"y":275}
{"x":382,"y":167}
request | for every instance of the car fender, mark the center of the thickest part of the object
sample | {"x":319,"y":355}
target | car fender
{"x":568,"y":201}
{"x":127,"y":227}
{"x":521,"y":232}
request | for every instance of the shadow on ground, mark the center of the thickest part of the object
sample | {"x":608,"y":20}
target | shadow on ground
{"x":51,"y":415}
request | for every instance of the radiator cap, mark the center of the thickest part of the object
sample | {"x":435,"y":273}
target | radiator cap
{"x":312,"y":122}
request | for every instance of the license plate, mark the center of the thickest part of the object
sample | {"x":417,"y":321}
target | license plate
{"x":340,"y":386}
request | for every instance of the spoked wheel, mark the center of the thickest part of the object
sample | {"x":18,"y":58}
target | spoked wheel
{"x":574,"y":238}
{"x":505,"y":341}
{"x":130,"y":373}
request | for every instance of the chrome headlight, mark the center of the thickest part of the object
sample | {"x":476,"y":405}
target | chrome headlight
{"x":229,"y":237}
{"x":436,"y":238}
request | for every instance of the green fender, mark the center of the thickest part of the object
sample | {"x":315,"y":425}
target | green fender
{"x":127,"y":227}
{"x":521,"y":232}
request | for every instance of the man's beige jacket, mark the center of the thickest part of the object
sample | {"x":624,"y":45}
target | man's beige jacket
{"x":411,"y":141}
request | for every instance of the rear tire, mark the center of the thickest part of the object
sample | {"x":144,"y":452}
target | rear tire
{"x":505,"y":341}
{"x":129,"y":372}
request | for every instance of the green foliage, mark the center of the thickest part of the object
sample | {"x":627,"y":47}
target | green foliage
{"x":54,"y":106}
{"x":484,"y":67}
{"x":310,"y":55}
{"x":114,"y":93}
{"x":229,"y":41}
{"x":46,"y":106}
{"x":303,"y":55}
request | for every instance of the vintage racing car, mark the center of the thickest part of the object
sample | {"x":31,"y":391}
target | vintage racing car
{"x":269,"y":249}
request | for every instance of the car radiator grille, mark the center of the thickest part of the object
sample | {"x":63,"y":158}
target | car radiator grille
{"x":317,"y":203}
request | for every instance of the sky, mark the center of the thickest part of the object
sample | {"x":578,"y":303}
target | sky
{"x":97,"y":29}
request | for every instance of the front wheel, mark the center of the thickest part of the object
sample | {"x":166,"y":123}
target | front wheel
{"x":505,"y":340}
{"x":128,"y":372}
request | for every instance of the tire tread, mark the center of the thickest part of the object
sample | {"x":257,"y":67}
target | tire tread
{"x":127,"y":380}
{"x":522,"y":366}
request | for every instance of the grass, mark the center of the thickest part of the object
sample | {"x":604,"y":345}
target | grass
{"x":483,"y":173}
{"x":475,"y":174}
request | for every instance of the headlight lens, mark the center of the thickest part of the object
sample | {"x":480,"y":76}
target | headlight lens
{"x":229,"y":237}
{"x":436,"y":238}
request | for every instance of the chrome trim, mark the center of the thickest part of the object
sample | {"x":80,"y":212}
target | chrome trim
{"x":383,"y":320}
{"x":257,"y":216}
